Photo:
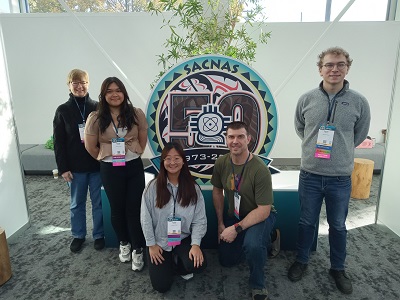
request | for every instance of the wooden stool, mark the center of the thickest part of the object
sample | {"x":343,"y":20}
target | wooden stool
{"x":361,"y":178}
{"x":5,"y":266}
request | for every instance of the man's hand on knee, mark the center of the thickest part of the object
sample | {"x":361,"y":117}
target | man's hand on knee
{"x":229,"y":234}
{"x":221,"y":228}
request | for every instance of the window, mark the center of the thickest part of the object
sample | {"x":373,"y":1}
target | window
{"x":323,"y":10}
{"x":11,"y":6}
{"x":295,"y":11}
{"x":54,"y":6}
{"x":275,"y":10}
{"x":365,"y":10}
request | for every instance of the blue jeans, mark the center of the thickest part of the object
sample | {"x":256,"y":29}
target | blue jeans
{"x":250,"y":244}
{"x":79,"y":189}
{"x":312,"y":191}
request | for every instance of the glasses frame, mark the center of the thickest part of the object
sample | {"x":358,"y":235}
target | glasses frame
{"x":175,"y":160}
{"x":78,"y":83}
{"x":340,"y":66}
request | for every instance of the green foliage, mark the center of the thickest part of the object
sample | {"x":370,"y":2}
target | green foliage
{"x":200,"y":27}
{"x":50,"y":143}
{"x":53,"y":6}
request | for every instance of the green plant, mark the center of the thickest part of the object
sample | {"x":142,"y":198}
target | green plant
{"x":200,"y":27}
{"x":50,"y":143}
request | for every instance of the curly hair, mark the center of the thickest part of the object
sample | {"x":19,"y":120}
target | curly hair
{"x":334,"y":51}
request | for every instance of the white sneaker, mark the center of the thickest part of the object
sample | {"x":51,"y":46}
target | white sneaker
{"x":137,"y":261}
{"x":187,"y":276}
{"x":125,"y":252}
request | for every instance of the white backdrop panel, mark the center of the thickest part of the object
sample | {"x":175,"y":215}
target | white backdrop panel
{"x":42,"y":48}
{"x":13,"y":207}
{"x":389,"y":204}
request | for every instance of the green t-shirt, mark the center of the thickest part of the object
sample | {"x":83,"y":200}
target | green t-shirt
{"x":255,"y":187}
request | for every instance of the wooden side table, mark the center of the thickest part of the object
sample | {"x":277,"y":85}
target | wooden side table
{"x":5,"y":265}
{"x":361,"y":178}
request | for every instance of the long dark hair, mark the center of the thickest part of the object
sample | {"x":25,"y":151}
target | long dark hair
{"x":186,"y":188}
{"x":127,"y":117}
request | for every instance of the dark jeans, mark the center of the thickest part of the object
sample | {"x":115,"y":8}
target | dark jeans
{"x":124,"y":187}
{"x":161,"y":275}
{"x":312,"y":191}
{"x":250,"y":244}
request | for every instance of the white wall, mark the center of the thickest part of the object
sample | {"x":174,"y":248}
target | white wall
{"x":13,"y":207}
{"x":389,"y":204}
{"x":42,"y":48}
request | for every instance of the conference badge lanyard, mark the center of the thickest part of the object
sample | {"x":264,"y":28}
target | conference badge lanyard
{"x":174,"y":227}
{"x":326,"y":132}
{"x":118,"y":149}
{"x":324,"y":142}
{"x":81,"y":127}
{"x":236,"y":195}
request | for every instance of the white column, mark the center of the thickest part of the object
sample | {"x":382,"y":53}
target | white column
{"x":389,"y":204}
{"x":13,"y":206}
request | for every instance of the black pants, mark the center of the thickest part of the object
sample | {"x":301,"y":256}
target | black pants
{"x":124,"y":187}
{"x":161,"y":275}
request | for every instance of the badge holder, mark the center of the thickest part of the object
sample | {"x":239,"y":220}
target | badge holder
{"x":174,"y":231}
{"x":118,"y":152}
{"x":236,"y":199}
{"x":323,"y":147}
{"x":81,"y":128}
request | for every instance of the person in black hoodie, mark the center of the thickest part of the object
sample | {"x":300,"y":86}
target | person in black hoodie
{"x":78,"y":168}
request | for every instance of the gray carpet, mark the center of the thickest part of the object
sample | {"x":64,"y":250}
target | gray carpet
{"x":44,"y":268}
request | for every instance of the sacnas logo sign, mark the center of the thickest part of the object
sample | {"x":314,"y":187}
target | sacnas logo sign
{"x":194,"y":102}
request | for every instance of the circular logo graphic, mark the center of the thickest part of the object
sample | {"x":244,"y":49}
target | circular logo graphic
{"x":194,"y":102}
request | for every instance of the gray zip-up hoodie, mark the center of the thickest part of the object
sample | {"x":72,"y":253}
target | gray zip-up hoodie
{"x":351,"y":117}
{"x":154,"y":219}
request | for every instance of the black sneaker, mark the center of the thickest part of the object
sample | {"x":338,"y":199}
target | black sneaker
{"x":99,"y":244}
{"x":259,"y":294}
{"x":296,"y":271}
{"x":342,"y":280}
{"x":76,"y":245}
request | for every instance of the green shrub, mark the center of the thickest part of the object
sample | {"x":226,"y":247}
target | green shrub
{"x":50,"y":143}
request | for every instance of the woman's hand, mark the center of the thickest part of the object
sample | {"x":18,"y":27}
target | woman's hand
{"x":155,"y":252}
{"x":67,"y":176}
{"x":91,"y":142}
{"x":196,"y":256}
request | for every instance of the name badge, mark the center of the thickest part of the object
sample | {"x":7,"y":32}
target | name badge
{"x":81,"y":128}
{"x":236,"y":199}
{"x":118,"y":151}
{"x":174,"y":231}
{"x":323,"y":147}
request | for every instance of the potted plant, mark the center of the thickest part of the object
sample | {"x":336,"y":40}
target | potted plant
{"x":200,"y":27}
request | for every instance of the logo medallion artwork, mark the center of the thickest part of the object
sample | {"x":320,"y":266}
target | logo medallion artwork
{"x":194,"y":102}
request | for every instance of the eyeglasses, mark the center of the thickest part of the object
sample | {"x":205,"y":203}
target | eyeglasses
{"x":77,"y":83}
{"x":174,"y":160}
{"x":340,"y":66}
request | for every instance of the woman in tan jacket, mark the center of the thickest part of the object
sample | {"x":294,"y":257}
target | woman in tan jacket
{"x":116,"y":135}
